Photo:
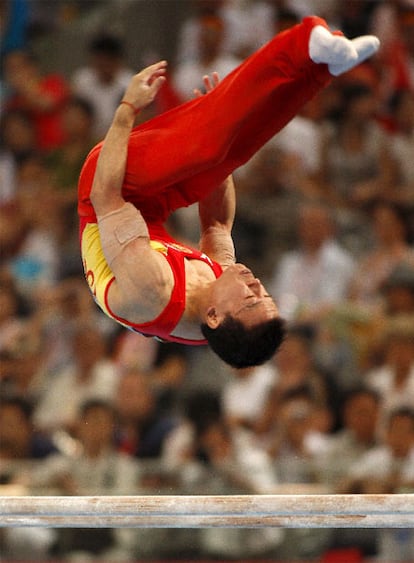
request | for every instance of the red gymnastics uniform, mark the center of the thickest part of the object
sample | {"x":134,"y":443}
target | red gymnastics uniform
{"x":180,"y":156}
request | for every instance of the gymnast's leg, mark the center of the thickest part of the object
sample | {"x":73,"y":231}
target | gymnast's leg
{"x":193,"y":147}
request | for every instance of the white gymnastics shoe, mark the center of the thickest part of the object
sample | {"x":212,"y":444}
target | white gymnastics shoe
{"x":338,"y":52}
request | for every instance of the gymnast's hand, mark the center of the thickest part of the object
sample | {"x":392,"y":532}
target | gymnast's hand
{"x":209,"y":84}
{"x":145,"y":85}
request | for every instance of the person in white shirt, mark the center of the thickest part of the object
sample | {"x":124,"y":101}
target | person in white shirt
{"x":315,"y":277}
{"x":103,"y":81}
{"x":389,"y":467}
{"x":245,"y":395}
{"x":91,"y":375}
{"x":188,"y":74}
{"x":393,"y":379}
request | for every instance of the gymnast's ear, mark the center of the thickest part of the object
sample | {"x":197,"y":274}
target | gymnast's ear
{"x":213,"y":319}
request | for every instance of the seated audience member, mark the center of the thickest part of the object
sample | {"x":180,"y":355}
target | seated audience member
{"x":19,"y":440}
{"x":291,"y":444}
{"x":389,"y":467}
{"x":95,"y":469}
{"x":394,"y":23}
{"x":355,"y":160}
{"x":248,"y":25}
{"x":165,"y":364}
{"x":58,"y":313}
{"x":103,"y":80}
{"x":188,"y":74}
{"x":11,"y":318}
{"x":22,"y":447}
{"x":398,"y":291}
{"x":21,"y":359}
{"x":199,"y":407}
{"x":389,"y":248}
{"x":294,"y":369}
{"x":42,"y":96}
{"x":141,"y":428}
{"x":402,"y":147}
{"x":36,"y":262}
{"x":311,"y":280}
{"x":296,"y":444}
{"x":233,"y":453}
{"x":246,"y":394}
{"x":65,"y":163}
{"x":229,"y":461}
{"x":17,"y":141}
{"x":90,"y":374}
{"x":393,"y":376}
{"x":357,"y":435}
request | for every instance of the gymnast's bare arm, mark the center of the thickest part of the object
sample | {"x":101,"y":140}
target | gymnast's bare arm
{"x":138,"y":270}
{"x":218,"y":209}
{"x":217,"y":213}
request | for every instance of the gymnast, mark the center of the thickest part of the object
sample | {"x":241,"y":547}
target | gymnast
{"x":131,"y":182}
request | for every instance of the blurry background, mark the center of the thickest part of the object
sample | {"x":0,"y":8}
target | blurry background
{"x":325,"y":218}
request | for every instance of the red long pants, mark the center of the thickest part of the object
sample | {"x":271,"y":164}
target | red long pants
{"x":180,"y":156}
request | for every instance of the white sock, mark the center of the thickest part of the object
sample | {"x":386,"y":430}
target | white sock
{"x":338,"y":52}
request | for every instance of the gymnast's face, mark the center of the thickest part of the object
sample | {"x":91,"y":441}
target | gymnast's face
{"x":238,"y":293}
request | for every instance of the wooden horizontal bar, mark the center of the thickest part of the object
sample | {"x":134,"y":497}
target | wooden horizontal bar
{"x":212,"y":511}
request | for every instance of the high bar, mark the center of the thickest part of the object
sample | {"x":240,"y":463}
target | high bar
{"x":209,"y":511}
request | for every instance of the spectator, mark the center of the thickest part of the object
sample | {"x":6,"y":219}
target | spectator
{"x":393,"y":23}
{"x":248,"y":25}
{"x":355,"y":161}
{"x":65,"y":163}
{"x":103,"y":80}
{"x":289,"y":445}
{"x":11,"y":320}
{"x":42,"y":96}
{"x":17,"y":141}
{"x":58,"y":314}
{"x":398,"y":291}
{"x":233,"y":452}
{"x":188,"y":74}
{"x":265,"y":225}
{"x":21,"y":446}
{"x":180,"y":445}
{"x":36,"y":263}
{"x":388,"y":468}
{"x":233,"y":457}
{"x":142,"y":428}
{"x":295,"y":371}
{"x":390,"y":247}
{"x":91,"y":374}
{"x":21,"y":362}
{"x":402,"y":147}
{"x":166,"y":365}
{"x":294,"y":451}
{"x":246,"y":394}
{"x":311,"y":280}
{"x":393,"y":377}
{"x":19,"y":440}
{"x":97,"y":469}
{"x":357,"y":435}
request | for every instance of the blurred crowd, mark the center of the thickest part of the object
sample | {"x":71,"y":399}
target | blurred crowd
{"x":325,"y":218}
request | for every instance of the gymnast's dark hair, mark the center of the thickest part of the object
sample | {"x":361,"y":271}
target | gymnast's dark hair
{"x":242,"y":347}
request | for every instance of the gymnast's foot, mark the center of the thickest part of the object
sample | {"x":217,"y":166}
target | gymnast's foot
{"x":338,"y":52}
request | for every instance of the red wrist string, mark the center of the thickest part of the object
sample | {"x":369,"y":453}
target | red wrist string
{"x":134,"y":109}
